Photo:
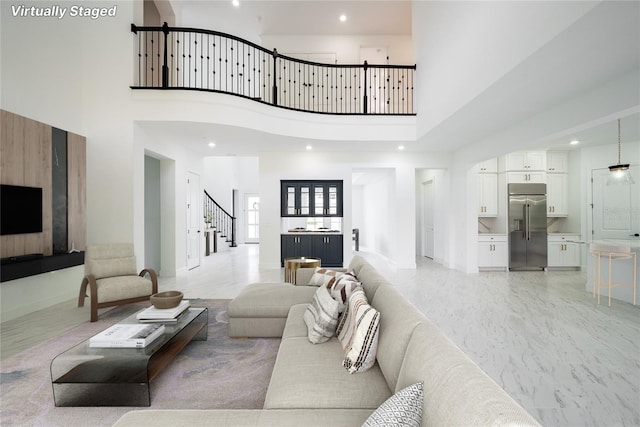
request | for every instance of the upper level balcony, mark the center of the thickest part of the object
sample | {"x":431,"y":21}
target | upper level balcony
{"x":170,"y":58}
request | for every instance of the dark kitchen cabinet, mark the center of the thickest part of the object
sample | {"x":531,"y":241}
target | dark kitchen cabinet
{"x":295,"y":246}
{"x":326,"y":247}
{"x":295,"y":198}
{"x":311,"y":198}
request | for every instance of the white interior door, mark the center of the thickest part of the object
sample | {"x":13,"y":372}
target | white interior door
{"x":194,"y":220}
{"x":252,"y":215}
{"x":616,"y":208}
{"x":427,"y":220}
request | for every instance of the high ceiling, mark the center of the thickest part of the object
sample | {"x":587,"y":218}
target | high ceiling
{"x":300,"y":17}
{"x":486,"y":114}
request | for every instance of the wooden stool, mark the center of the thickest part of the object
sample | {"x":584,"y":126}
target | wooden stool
{"x":613,"y":253}
{"x":291,"y":266}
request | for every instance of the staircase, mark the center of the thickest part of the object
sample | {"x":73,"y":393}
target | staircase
{"x":215,"y":216}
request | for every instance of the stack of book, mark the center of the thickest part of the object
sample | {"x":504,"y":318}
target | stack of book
{"x":163,"y":315}
{"x":126,"y":335}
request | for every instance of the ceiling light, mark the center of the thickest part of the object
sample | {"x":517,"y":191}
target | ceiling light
{"x":400,"y":147}
{"x":309,"y":147}
{"x":236,"y":3}
{"x":619,"y":172}
{"x":574,"y":142}
{"x":343,"y":17}
{"x":212,"y":144}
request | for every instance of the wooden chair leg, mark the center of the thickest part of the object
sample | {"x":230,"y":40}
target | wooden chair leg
{"x":83,"y":292}
{"x":94,"y":312}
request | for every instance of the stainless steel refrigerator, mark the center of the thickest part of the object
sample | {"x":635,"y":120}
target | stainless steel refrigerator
{"x":527,"y":226}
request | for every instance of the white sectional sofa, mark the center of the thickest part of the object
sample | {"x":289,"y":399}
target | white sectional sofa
{"x":310,"y":387}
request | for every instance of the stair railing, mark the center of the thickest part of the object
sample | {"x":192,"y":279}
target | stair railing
{"x":206,"y":60}
{"x":216,"y":217}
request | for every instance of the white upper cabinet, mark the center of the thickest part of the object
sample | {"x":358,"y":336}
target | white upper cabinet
{"x":488,"y":166}
{"x":488,"y":194}
{"x":526,"y":161}
{"x":557,"y":162}
{"x":526,"y":177}
{"x":557,"y":194}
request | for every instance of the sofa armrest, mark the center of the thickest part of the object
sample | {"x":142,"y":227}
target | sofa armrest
{"x":303,"y":275}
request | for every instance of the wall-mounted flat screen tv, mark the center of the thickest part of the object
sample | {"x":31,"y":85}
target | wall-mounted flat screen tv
{"x":20,"y":209}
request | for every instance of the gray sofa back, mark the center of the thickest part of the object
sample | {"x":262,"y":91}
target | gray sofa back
{"x":456,"y":391}
{"x":368,"y":275}
{"x":398,"y":319}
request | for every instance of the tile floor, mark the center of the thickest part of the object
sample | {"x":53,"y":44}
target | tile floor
{"x":540,"y":335}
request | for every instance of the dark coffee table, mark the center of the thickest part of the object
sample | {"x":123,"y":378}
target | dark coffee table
{"x":86,"y":376}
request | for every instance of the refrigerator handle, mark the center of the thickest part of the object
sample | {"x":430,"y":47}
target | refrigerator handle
{"x":524,"y":221}
{"x":528,"y":221}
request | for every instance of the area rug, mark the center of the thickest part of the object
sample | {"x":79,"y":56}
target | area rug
{"x":218,"y":373}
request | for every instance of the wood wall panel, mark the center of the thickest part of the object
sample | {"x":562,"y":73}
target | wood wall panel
{"x":25,"y":153}
{"x":76,"y":185}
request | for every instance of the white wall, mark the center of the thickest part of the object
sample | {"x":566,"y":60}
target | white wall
{"x":152,"y":214}
{"x":346,"y":48}
{"x":375,"y":210}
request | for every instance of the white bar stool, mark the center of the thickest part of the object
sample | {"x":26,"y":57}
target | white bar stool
{"x":613,"y":253}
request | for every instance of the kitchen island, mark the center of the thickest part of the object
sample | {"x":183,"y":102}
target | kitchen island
{"x":622,"y":270}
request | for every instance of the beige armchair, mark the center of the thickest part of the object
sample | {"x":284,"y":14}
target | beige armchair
{"x":110,"y":273}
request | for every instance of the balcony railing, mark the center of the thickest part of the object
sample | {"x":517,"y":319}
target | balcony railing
{"x":204,"y":60}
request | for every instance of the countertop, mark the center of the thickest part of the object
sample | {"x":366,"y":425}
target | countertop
{"x":632,"y":242}
{"x":332,"y":232}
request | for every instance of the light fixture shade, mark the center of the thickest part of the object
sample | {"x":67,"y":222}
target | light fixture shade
{"x":620,"y":174}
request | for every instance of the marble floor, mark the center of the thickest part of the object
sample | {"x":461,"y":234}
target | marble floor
{"x":540,"y":335}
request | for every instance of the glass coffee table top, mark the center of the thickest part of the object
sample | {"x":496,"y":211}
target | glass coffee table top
{"x":89,"y":376}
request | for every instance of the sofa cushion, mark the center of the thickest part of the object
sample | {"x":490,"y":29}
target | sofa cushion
{"x":361,"y":354}
{"x":122,"y":287}
{"x":403,"y":409}
{"x":244,"y":417}
{"x":295,"y":325}
{"x":115,"y":259}
{"x":312,"y":376}
{"x":324,"y":277}
{"x":269,"y":299}
{"x":321,"y":316}
{"x":398,"y":320}
{"x":457,"y":392}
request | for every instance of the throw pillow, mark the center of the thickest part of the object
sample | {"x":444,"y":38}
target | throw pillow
{"x":342,"y":288}
{"x":321,"y":316}
{"x":402,"y":409}
{"x":347,"y":321}
{"x":361,"y":354}
{"x":323,"y":276}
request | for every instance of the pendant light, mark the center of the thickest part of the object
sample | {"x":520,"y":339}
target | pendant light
{"x":620,"y":172}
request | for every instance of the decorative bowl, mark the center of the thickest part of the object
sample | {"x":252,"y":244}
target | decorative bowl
{"x":167,"y":299}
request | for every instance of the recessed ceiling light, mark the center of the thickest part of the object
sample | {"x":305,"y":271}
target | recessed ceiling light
{"x":236,"y":3}
{"x":574,"y":142}
{"x":343,"y":17}
{"x":400,"y":147}
{"x":212,"y":144}
{"x":309,"y":147}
